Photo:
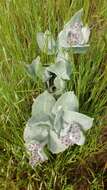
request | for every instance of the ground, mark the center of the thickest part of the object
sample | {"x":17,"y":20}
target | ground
{"x":79,"y":168}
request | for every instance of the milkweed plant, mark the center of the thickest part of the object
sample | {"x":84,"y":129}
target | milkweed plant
{"x":55,"y":119}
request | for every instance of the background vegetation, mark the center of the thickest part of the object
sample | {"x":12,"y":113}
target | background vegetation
{"x":80,"y":168}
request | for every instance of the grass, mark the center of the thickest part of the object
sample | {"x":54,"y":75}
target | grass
{"x":19,"y":22}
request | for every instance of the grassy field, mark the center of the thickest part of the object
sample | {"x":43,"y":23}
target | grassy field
{"x":80,"y":168}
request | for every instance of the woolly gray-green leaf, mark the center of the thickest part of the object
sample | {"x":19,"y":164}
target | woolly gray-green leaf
{"x":43,"y":104}
{"x":58,"y":121}
{"x":80,"y":48}
{"x":46,"y":42}
{"x":84,"y":121}
{"x":76,"y":18}
{"x":55,"y":145}
{"x":37,"y":129}
{"x":39,"y":120}
{"x":60,"y":86}
{"x":35,"y":69}
{"x":35,"y":134}
{"x":68,"y":101}
{"x":62,"y":70}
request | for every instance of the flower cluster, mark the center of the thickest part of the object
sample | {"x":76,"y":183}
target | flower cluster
{"x":36,"y":154}
{"x":55,"y":123}
{"x":55,"y":120}
{"x":74,"y":35}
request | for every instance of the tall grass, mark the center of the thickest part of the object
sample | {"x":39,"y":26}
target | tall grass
{"x":20,"y":20}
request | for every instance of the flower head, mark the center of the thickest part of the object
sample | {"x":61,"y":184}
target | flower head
{"x":74,"y":35}
{"x":57,"y":124}
{"x":36,"y":154}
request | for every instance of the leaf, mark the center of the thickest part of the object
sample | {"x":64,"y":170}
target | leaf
{"x":39,"y":124}
{"x":36,"y":134}
{"x":35,"y":69}
{"x":62,"y":37}
{"x":77,"y":17}
{"x":59,"y":84}
{"x":62,"y":40}
{"x":43,"y":104}
{"x":62,"y":56}
{"x":47,"y":75}
{"x":80,"y":48}
{"x":40,"y":120}
{"x":54,"y":143}
{"x":61,"y":70}
{"x":46,"y":42}
{"x":68,"y":101}
{"x":58,"y":121}
{"x":84,"y":121}
{"x":58,"y":87}
{"x":55,"y":75}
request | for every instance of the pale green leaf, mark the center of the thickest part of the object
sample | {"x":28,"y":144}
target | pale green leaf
{"x":35,"y":69}
{"x":84,"y":121}
{"x":35,"y":134}
{"x":59,"y":84}
{"x":68,"y":101}
{"x":43,"y":104}
{"x":80,"y":48}
{"x":77,"y":17}
{"x":58,"y":121}
{"x":62,"y":70}
{"x":54,"y":144}
{"x":46,"y":42}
